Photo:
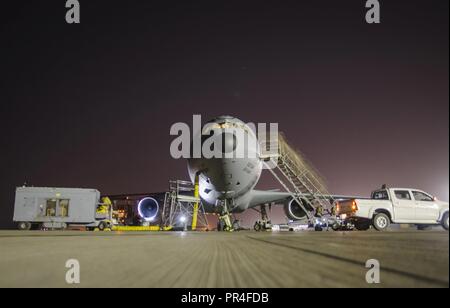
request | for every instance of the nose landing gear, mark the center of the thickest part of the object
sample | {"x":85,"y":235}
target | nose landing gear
{"x":225,"y":223}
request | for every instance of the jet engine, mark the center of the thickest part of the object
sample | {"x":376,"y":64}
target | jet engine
{"x":148,"y":209}
{"x":294,"y":211}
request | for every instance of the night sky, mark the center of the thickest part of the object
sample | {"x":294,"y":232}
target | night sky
{"x":91,"y":105}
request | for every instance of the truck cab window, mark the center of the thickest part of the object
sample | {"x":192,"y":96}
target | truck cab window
{"x":420,"y":196}
{"x":402,"y":195}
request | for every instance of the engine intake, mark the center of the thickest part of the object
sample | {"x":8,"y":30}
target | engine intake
{"x":148,"y":209}
{"x":294,"y":211}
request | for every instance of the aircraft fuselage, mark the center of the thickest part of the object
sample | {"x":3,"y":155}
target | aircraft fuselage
{"x":229,"y":179}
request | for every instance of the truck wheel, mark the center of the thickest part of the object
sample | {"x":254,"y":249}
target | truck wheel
{"x":445,"y":221}
{"x":381,"y":222}
{"x":24,"y":226}
{"x":362,"y":225}
{"x":257,"y":227}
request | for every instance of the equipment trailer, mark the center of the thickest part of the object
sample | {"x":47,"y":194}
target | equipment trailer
{"x":58,"y":208}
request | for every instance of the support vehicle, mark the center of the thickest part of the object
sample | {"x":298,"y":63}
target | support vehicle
{"x":58,"y":208}
{"x":394,"y":205}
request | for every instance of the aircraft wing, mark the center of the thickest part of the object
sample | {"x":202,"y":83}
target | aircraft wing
{"x":260,"y":197}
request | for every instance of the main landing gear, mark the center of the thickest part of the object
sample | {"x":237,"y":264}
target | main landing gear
{"x":264,"y":223}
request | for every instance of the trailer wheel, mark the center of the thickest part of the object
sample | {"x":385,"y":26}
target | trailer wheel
{"x":381,"y":222}
{"x":102,"y":226}
{"x":24,"y":226}
{"x":445,"y":221}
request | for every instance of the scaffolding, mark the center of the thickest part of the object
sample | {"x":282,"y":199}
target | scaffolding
{"x":180,"y":203}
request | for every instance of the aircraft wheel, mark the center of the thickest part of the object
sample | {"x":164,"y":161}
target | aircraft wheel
{"x":257,"y":227}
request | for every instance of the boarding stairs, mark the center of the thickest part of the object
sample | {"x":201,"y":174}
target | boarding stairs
{"x":297,"y":176}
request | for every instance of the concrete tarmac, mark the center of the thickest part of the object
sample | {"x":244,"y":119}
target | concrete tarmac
{"x":225,"y":260}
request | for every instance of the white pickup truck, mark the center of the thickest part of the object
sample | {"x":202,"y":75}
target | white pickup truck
{"x":394,"y":205}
